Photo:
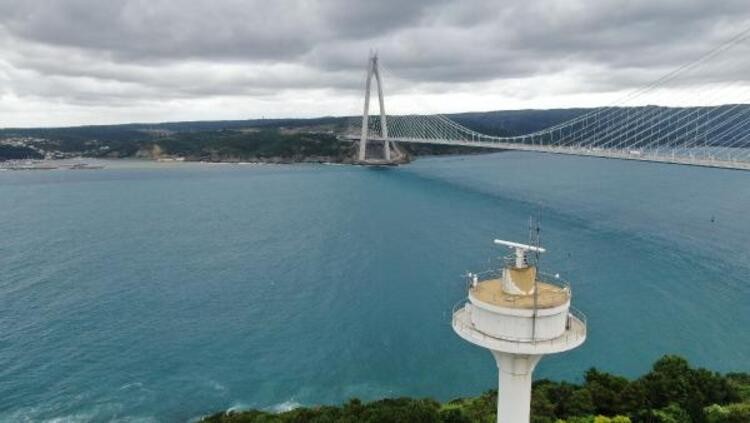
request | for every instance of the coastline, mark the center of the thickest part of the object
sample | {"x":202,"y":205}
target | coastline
{"x":102,"y":162}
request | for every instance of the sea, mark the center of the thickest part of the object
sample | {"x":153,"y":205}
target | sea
{"x":163,"y":292}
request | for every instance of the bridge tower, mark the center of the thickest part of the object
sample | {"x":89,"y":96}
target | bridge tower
{"x":519,"y":314}
{"x":374,"y":70}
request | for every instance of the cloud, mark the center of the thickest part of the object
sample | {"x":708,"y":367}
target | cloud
{"x":120,"y":60}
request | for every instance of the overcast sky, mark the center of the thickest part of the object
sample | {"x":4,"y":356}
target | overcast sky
{"x":67,"y":62}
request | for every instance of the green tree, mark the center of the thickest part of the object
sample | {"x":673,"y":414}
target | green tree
{"x":669,"y":381}
{"x":453,"y":415}
{"x":733,"y":413}
{"x":672,"y":414}
{"x":673,"y":381}
{"x":607,"y":392}
{"x":542,"y":408}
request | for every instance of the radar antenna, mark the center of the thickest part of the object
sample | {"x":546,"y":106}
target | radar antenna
{"x":522,"y":251}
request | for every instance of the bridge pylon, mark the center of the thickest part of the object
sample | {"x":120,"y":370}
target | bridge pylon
{"x":389,"y":148}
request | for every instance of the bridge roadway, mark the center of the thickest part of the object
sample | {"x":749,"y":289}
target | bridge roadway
{"x":573,"y":151}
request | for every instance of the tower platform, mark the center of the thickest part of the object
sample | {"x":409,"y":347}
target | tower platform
{"x":574,"y":335}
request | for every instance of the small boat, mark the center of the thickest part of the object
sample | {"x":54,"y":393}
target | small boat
{"x":85,"y":166}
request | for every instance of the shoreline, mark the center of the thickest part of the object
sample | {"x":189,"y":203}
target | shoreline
{"x":100,"y":162}
{"x":275,"y":160}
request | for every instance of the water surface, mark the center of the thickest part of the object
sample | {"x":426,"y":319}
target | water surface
{"x":163,"y":292}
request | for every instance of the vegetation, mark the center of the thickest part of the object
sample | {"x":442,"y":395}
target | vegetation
{"x":11,"y":152}
{"x":286,"y":140}
{"x":277,"y":140}
{"x":252,"y":145}
{"x":265,"y":143}
{"x":672,"y":392}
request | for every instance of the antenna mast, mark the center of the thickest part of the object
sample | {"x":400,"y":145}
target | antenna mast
{"x":536,"y":242}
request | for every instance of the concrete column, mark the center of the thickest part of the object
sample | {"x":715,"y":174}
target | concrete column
{"x":366,"y":113}
{"x":514,"y":386}
{"x":383,"y":122}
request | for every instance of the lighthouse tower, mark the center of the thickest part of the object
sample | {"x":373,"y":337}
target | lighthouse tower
{"x":519,"y":314}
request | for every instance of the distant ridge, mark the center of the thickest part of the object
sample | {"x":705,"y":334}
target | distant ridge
{"x":278,"y":140}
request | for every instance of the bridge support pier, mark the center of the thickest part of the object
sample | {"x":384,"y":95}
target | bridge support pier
{"x":374,"y":70}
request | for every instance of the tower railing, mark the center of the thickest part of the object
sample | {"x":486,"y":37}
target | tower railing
{"x":578,"y":314}
{"x":547,"y":278}
{"x":576,"y":326}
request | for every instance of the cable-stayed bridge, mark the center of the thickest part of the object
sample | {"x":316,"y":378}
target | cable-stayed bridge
{"x":714,"y":134}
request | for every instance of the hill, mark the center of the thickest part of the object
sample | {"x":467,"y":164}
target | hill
{"x":276,"y":140}
{"x":295,"y":140}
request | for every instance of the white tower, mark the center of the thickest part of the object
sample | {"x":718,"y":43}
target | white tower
{"x":373,"y":69}
{"x":519,"y":314}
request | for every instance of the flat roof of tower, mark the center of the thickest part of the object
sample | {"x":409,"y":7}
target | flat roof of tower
{"x":548,"y":296}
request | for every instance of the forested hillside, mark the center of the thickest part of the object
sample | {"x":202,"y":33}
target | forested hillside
{"x":292,"y":140}
{"x":280,"y":140}
{"x":672,"y":392}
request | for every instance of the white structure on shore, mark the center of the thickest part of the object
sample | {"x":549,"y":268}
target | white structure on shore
{"x":520,"y":315}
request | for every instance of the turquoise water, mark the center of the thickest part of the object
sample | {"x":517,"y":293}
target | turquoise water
{"x":163,"y":292}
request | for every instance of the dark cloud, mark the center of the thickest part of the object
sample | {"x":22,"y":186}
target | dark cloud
{"x":283,"y":54}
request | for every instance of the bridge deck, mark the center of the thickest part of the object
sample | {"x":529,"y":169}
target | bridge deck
{"x":578,"y":151}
